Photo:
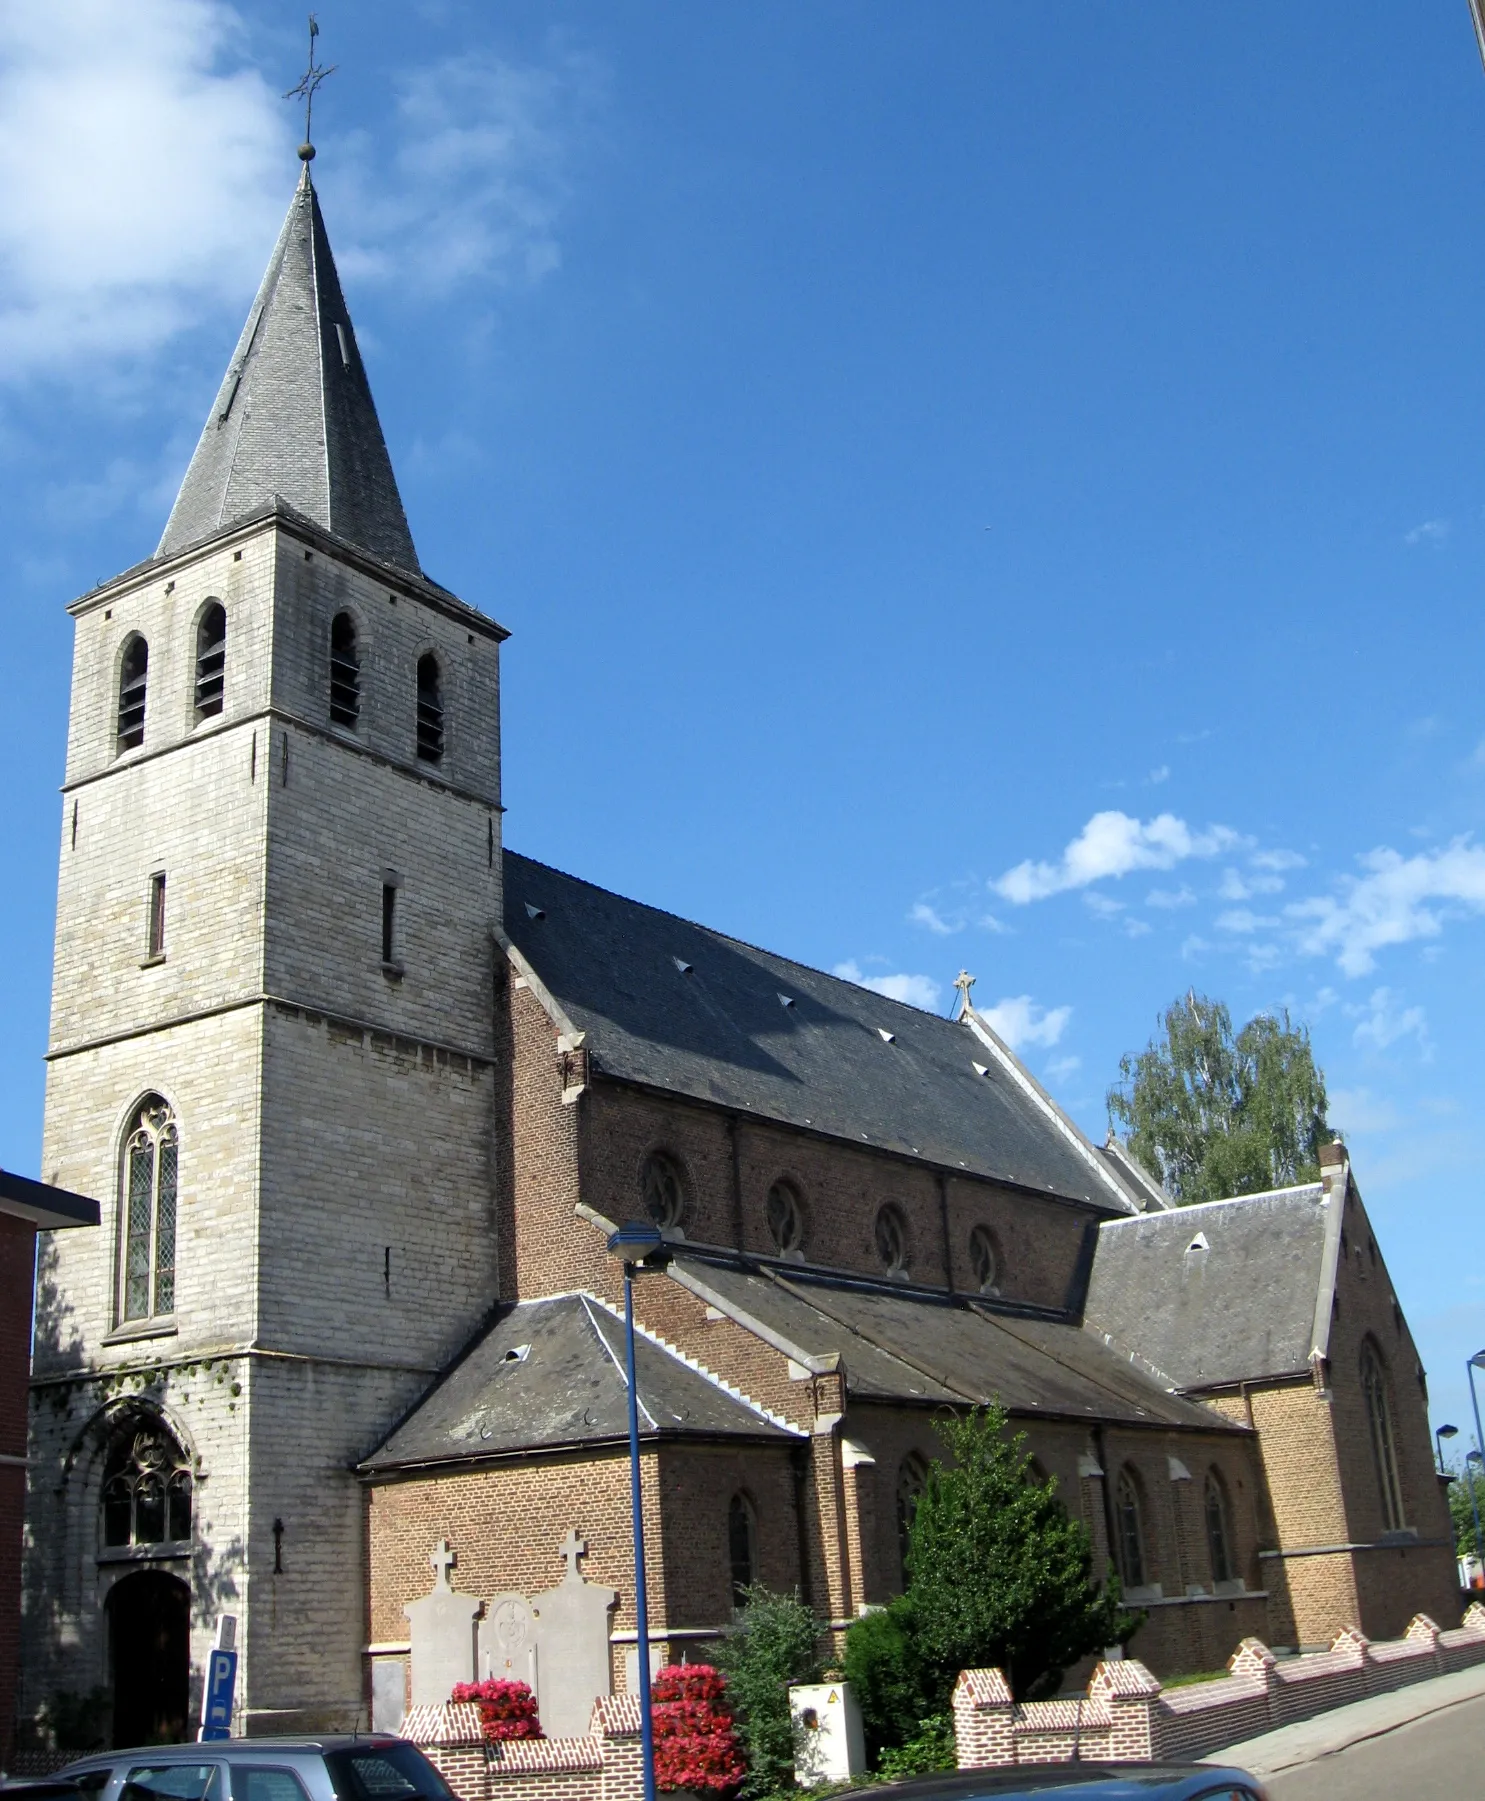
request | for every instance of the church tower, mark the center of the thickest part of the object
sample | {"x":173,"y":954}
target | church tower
{"x":271,"y":1046}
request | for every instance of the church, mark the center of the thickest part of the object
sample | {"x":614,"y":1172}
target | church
{"x":361,"y":1094}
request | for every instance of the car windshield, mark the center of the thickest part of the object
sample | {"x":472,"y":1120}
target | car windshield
{"x":386,"y":1773}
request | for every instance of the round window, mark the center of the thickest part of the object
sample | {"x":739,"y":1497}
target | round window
{"x":984,"y":1260}
{"x":664,"y":1197}
{"x":892,"y":1241}
{"x":785,"y":1217}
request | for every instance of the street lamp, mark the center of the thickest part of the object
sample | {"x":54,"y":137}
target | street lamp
{"x":1440,"y":1434}
{"x":1474,"y":1464}
{"x":640,"y":1246}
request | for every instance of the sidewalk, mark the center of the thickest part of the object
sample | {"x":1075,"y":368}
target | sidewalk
{"x":1307,"y":1740}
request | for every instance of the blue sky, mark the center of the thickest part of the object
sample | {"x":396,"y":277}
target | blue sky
{"x":969,"y":483}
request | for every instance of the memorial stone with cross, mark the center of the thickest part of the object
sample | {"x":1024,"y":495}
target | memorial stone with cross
{"x":572,"y":1627}
{"x":442,"y":1634}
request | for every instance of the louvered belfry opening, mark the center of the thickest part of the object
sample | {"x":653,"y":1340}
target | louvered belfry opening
{"x":430,"y":709}
{"x":133,"y":681}
{"x":345,"y":672}
{"x":211,"y":660}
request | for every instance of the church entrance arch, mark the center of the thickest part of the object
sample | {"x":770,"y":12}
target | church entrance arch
{"x":149,"y":1644}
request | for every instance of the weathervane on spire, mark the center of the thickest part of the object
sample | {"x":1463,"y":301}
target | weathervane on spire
{"x":305,"y":89}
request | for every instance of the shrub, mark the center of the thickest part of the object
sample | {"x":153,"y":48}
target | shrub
{"x":933,"y":1749}
{"x":884,"y":1667}
{"x":695,"y":1744}
{"x":507,"y":1709}
{"x":772,"y":1644}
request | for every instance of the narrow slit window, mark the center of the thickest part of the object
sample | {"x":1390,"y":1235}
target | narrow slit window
{"x":430,"y":709}
{"x":345,"y":672}
{"x":133,"y":681}
{"x":389,"y":923}
{"x":155,"y":927}
{"x":211,"y":660}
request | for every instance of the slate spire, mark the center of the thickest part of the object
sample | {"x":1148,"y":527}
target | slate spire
{"x":294,"y":419}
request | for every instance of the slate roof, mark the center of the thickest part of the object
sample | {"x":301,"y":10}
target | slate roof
{"x":924,"y":1347}
{"x":1241,"y":1308}
{"x":294,"y":418}
{"x":549,"y":1374}
{"x":680,"y":1007}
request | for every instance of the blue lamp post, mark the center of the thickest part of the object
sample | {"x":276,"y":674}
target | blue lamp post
{"x":640,"y":1246}
{"x":1440,"y":1434}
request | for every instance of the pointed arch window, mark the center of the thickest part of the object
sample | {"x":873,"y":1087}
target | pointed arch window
{"x":345,"y":672}
{"x":742,"y":1547}
{"x":211,"y":660}
{"x":785,"y":1217}
{"x":1219,"y":1529}
{"x":1129,"y":1528}
{"x":430,"y":709}
{"x":149,"y":1200}
{"x":1374,"y":1389}
{"x":912,"y":1479}
{"x":984,"y":1259}
{"x":146,"y":1488}
{"x":662,"y":1190}
{"x":892,"y":1240}
{"x":134,"y":669}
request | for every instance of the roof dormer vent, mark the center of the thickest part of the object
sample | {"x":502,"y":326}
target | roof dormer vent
{"x":786,"y":1000}
{"x":682,"y":965}
{"x":535,"y":912}
{"x":886,"y":1036}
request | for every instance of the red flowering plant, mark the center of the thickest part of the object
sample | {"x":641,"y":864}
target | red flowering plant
{"x":507,"y":1709}
{"x":696,"y":1745}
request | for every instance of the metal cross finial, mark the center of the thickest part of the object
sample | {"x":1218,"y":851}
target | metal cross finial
{"x":304,"y":89}
{"x":964,"y":981}
{"x":572,"y":1548}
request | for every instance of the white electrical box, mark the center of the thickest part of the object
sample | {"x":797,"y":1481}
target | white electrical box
{"x":828,"y":1742}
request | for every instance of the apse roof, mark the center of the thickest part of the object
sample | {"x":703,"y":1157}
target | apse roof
{"x":677,"y":1006}
{"x":294,"y":419}
{"x":549,"y":1374}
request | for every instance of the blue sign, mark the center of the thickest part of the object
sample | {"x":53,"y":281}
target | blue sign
{"x":216,"y":1704}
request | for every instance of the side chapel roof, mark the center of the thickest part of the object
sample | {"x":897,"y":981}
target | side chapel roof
{"x":677,"y":1006}
{"x":294,"y":419}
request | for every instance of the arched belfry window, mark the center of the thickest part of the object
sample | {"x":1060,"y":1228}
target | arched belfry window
{"x":892,"y":1240}
{"x":134,"y":671}
{"x":1219,"y":1529}
{"x":211,"y":660}
{"x":147,"y":1251}
{"x":662,"y":1190}
{"x":785,"y":1217}
{"x":1129,"y":1527}
{"x":430,"y":709}
{"x":912,"y":1479}
{"x":742,"y":1547}
{"x":345,"y":671}
{"x":146,"y":1487}
{"x":1378,"y":1400}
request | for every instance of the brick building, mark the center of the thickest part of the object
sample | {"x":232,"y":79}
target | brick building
{"x":361,"y":1091}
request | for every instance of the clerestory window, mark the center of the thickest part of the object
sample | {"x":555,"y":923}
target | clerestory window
{"x":146,"y":1488}
{"x":785,"y":1217}
{"x":984,"y":1259}
{"x":662,"y":1190}
{"x":430,"y":709}
{"x":345,"y":672}
{"x":1384,"y":1447}
{"x":149,"y":1203}
{"x":133,"y":682}
{"x":211,"y":660}
{"x":892,"y":1240}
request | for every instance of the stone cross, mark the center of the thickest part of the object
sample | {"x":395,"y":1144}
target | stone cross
{"x":572,"y":1548}
{"x":441,"y":1557}
{"x":964,"y":981}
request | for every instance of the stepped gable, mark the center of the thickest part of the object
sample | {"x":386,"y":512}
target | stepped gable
{"x":676,"y":1006}
{"x":294,"y":420}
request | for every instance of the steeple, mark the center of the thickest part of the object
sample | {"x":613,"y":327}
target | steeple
{"x":294,"y":419}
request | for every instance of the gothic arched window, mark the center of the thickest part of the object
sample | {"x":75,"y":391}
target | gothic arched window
{"x":912,"y":1479}
{"x":146,"y":1488}
{"x":1219,"y":1529}
{"x":742,"y":1547}
{"x":984,"y":1259}
{"x":134,"y":671}
{"x":892,"y":1240}
{"x":345,"y":671}
{"x":1129,"y":1527}
{"x":663,"y":1191}
{"x":211,"y":660}
{"x":785,"y":1217}
{"x":1379,"y":1420}
{"x":147,"y":1249}
{"x":430,"y":708}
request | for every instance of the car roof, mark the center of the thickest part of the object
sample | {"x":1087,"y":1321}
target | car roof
{"x":1136,"y":1781}
{"x":235,"y":1748}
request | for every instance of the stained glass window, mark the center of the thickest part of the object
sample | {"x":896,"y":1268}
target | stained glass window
{"x":146,"y":1488}
{"x":150,"y":1201}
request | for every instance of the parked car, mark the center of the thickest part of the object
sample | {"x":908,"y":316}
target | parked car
{"x":345,"y":1767}
{"x":40,"y":1788}
{"x":1075,"y":1782}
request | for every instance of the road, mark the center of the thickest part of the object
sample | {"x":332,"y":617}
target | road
{"x":1439,"y":1756}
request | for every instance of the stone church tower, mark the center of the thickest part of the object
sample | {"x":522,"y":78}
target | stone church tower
{"x":271,"y":1043}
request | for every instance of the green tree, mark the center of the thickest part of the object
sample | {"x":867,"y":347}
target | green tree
{"x":999,"y":1575}
{"x":772,"y":1643}
{"x":1461,"y":1514}
{"x":1211,"y":1113}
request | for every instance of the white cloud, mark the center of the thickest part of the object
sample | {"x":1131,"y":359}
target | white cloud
{"x":1432,"y":531}
{"x":1399,"y":899}
{"x":1277,"y":859}
{"x":1019,"y":1020}
{"x":1104,"y":906}
{"x":1243,"y":920}
{"x":1061,"y":1067}
{"x":1157,"y":776}
{"x":1383,"y":1022}
{"x":921,"y":914}
{"x":1171,"y":898}
{"x":1113,"y":844}
{"x":1359,"y":1110}
{"x":917,"y":991}
{"x":1235,"y":886}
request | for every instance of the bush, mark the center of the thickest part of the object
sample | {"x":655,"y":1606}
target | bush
{"x":507,"y":1709}
{"x":695,"y":1744}
{"x":772,"y":1644}
{"x":885,"y":1670}
{"x":933,"y":1749}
